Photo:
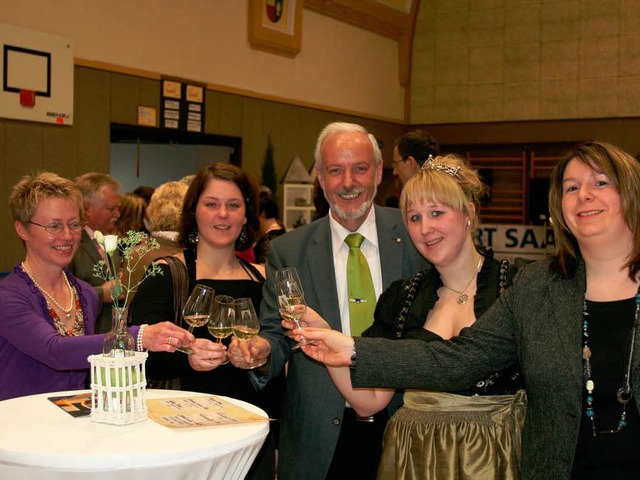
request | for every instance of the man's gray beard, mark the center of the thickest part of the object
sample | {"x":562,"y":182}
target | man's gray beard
{"x":357,"y":213}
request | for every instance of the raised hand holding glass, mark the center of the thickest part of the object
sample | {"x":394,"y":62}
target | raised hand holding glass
{"x":197,"y":310}
{"x":290,"y":295}
{"x":246,"y":325}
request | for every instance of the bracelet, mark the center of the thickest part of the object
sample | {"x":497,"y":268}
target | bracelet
{"x":352,"y":365}
{"x":139,"y":346}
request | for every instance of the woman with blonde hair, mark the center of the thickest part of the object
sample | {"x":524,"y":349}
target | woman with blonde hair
{"x":165,"y":214}
{"x":47,"y":315}
{"x":473,"y":432}
{"x":571,"y":321}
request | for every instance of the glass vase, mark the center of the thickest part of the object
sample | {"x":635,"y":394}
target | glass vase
{"x":119,"y":342}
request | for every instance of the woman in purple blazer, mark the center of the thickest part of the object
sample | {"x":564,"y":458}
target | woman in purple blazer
{"x":47,"y":316}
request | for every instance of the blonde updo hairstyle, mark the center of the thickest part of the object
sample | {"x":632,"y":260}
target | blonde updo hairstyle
{"x":165,"y":208}
{"x":436,"y":183}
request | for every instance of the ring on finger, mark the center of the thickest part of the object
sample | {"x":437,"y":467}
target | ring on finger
{"x":169,"y":340}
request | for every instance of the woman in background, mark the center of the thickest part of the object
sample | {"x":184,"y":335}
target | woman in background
{"x":270,"y":226}
{"x":218,"y":217}
{"x":165,"y":215}
{"x":47,"y":315}
{"x":132,"y":214}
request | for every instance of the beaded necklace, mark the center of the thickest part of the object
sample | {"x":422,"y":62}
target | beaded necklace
{"x":67,"y":311}
{"x":625,"y":393}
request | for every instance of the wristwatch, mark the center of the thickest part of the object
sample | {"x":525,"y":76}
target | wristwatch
{"x":352,"y":365}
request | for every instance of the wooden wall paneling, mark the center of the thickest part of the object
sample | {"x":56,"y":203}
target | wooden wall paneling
{"x":253,"y":135}
{"x":125,"y":97}
{"x":150,"y":94}
{"x":23,"y":156}
{"x":60,"y":150}
{"x":231,"y":115}
{"x":93,"y":120}
{"x":212,"y":111}
{"x":24,"y":153}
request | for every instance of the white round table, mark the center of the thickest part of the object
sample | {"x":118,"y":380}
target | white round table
{"x":38,"y":440}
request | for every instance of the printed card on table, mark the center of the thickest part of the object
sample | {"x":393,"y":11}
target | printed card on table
{"x":75,"y":405}
{"x":203,"y":411}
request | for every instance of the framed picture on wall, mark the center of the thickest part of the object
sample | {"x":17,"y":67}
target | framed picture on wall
{"x":276,"y":26}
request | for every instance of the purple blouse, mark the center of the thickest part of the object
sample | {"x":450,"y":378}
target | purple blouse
{"x":35,"y":358}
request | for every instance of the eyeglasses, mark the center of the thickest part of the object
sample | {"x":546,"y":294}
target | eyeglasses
{"x":57,"y":228}
{"x":395,"y":163}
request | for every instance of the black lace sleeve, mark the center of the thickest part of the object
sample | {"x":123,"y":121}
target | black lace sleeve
{"x":389,"y":303}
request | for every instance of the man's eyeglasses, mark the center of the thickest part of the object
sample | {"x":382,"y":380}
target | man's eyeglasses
{"x":57,"y":228}
{"x":395,"y":163}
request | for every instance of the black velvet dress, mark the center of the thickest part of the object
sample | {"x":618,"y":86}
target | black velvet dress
{"x":154,"y":303}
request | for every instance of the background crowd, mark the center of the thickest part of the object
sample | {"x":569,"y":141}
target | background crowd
{"x":450,"y":365}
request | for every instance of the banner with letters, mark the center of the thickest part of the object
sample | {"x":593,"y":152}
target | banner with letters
{"x":534,"y":242}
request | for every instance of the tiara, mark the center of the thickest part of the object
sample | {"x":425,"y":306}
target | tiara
{"x":434,"y":165}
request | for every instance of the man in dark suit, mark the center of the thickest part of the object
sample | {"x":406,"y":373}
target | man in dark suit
{"x":320,"y":436}
{"x":100,"y":194}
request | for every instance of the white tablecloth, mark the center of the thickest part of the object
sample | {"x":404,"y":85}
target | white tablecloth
{"x":38,"y":440}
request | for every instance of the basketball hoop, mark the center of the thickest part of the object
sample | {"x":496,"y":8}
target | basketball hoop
{"x":28,"y":98}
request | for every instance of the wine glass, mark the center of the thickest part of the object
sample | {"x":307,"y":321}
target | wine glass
{"x":197,"y":310}
{"x":291,"y":299}
{"x":220,"y":324}
{"x":246,"y":325}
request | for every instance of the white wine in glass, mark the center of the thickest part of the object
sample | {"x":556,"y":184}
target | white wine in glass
{"x":197,"y":310}
{"x":221,"y":323}
{"x":291,"y":303}
{"x":246,"y":324}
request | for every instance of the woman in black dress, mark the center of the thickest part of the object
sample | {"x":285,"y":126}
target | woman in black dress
{"x":219,"y":217}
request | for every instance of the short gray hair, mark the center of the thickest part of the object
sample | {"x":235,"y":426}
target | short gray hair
{"x":91,"y":183}
{"x":337,"y":128}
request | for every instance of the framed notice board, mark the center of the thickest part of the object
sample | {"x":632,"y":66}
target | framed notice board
{"x":182,"y":106}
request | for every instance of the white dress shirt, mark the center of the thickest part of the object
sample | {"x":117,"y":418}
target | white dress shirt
{"x":371,"y":251}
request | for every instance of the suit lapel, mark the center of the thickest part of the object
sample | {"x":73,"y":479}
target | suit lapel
{"x":320,"y":258}
{"x":90,"y":248}
{"x":391,"y":247}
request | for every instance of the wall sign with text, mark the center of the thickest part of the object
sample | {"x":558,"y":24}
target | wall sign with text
{"x":508,"y":241}
{"x":182,"y":106}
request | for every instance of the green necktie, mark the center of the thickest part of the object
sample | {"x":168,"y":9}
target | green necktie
{"x":362,"y":295}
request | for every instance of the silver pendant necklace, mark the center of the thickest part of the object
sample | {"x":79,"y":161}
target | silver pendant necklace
{"x":463,"y":297}
{"x":67,"y":311}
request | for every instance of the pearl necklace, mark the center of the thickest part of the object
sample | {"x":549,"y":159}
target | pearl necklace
{"x":624,"y":393}
{"x":463,"y":297}
{"x":67,"y":311}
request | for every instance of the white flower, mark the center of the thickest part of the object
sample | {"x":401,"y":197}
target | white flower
{"x":110,"y":243}
{"x":99,"y":237}
{"x":132,"y":249}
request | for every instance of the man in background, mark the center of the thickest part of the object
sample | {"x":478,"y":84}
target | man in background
{"x":410,"y":151}
{"x":321,"y":437}
{"x":100,"y":195}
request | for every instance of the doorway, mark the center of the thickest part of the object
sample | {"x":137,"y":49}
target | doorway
{"x":152,"y":156}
